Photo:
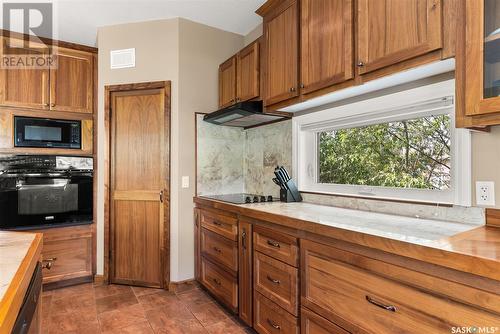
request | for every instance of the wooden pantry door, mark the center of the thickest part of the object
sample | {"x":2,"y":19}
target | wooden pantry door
{"x":139,"y":174}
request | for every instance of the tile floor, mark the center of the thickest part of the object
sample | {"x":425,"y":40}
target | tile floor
{"x":107,"y":309}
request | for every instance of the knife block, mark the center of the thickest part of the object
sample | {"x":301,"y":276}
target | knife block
{"x":291,"y":194}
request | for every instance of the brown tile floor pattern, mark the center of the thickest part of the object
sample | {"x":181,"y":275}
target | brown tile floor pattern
{"x":111,"y":309}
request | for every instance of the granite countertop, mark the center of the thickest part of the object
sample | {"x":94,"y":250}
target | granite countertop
{"x":407,"y":229}
{"x":466,"y":247}
{"x":19,"y":253}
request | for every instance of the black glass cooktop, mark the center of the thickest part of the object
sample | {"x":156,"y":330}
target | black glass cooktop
{"x":240,"y":198}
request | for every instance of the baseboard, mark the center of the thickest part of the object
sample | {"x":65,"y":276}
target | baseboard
{"x":182,"y":286}
{"x":66,"y":283}
{"x":99,"y":280}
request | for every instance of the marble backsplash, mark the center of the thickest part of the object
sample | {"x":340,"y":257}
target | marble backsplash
{"x":267,"y":147}
{"x":220,"y":157}
{"x":233,"y":160}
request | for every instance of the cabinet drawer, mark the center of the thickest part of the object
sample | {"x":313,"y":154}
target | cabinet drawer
{"x":343,"y":292}
{"x":277,"y":281}
{"x":272,"y":319}
{"x":277,"y":245}
{"x":311,"y":323}
{"x":219,"y":249}
{"x":68,"y":259}
{"x":220,"y":224}
{"x":220,"y":283}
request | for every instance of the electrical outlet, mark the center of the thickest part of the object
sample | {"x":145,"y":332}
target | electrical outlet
{"x":485,"y":193}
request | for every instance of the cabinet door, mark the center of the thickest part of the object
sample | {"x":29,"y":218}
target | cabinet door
{"x":482,"y":88}
{"x":281,"y":53}
{"x":245,"y":272}
{"x":327,"y":43}
{"x":24,"y":87}
{"x":67,"y":253}
{"x":391,"y":31}
{"x":227,"y":82}
{"x":312,"y":323}
{"x":247,"y":85}
{"x":197,"y":252}
{"x":71,"y":81}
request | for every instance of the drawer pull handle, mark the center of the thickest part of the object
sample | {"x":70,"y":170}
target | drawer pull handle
{"x":216,"y":281}
{"x":381,"y":305}
{"x":218,"y":250}
{"x":273,"y":243}
{"x":244,"y":239}
{"x":47,"y":265}
{"x":273,"y":324}
{"x":51,"y":259}
{"x":275,"y":281}
{"x":216,"y":223}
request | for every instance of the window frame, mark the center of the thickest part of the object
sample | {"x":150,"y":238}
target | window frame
{"x":433,"y":99}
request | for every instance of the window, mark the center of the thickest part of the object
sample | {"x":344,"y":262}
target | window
{"x":387,"y":148}
{"x":405,"y":154}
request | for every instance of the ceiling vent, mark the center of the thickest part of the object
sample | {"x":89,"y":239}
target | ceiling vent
{"x":122,"y":58}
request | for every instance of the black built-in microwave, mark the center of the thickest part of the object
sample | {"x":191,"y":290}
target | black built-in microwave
{"x":45,"y":132}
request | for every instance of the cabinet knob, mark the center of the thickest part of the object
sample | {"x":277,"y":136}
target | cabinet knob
{"x":302,"y":85}
{"x":273,"y":324}
{"x":232,"y":101}
{"x":293,"y":89}
{"x":52,"y":104}
{"x":360,"y":64}
{"x":273,"y":243}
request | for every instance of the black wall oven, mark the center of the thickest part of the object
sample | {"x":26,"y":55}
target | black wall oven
{"x":45,"y":191}
{"x":44,"y":132}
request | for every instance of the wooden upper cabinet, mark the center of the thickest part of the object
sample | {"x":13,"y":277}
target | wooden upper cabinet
{"x":248,"y":80}
{"x":482,"y":57}
{"x":227,"y":82}
{"x":327,"y":43}
{"x":281,"y":61}
{"x":24,"y":87}
{"x":392,"y":31}
{"x":71,"y":81}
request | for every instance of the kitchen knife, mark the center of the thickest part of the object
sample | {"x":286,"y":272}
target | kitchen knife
{"x":275,"y":180}
{"x":281,"y":177}
{"x":287,"y":176}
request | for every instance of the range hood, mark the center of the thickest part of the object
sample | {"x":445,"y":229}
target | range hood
{"x":242,"y":115}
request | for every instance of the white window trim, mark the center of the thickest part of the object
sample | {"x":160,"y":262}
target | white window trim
{"x":431,"y":99}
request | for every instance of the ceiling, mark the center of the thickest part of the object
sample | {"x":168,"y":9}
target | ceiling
{"x":77,"y":20}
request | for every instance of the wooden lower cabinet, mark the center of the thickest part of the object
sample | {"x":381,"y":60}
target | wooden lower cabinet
{"x":220,"y":283}
{"x":314,"y":285}
{"x":311,"y":323}
{"x":245,"y":272}
{"x":269,"y":318}
{"x":67,"y":253}
{"x":334,"y":286}
{"x":277,"y":281}
{"x":219,"y":249}
{"x":219,"y":223}
{"x":278,"y":245}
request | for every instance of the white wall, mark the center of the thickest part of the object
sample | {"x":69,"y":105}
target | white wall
{"x":188,"y":54}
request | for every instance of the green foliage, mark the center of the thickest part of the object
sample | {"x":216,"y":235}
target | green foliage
{"x":406,"y":154}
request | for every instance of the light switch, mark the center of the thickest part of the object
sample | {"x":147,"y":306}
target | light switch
{"x":185,"y":182}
